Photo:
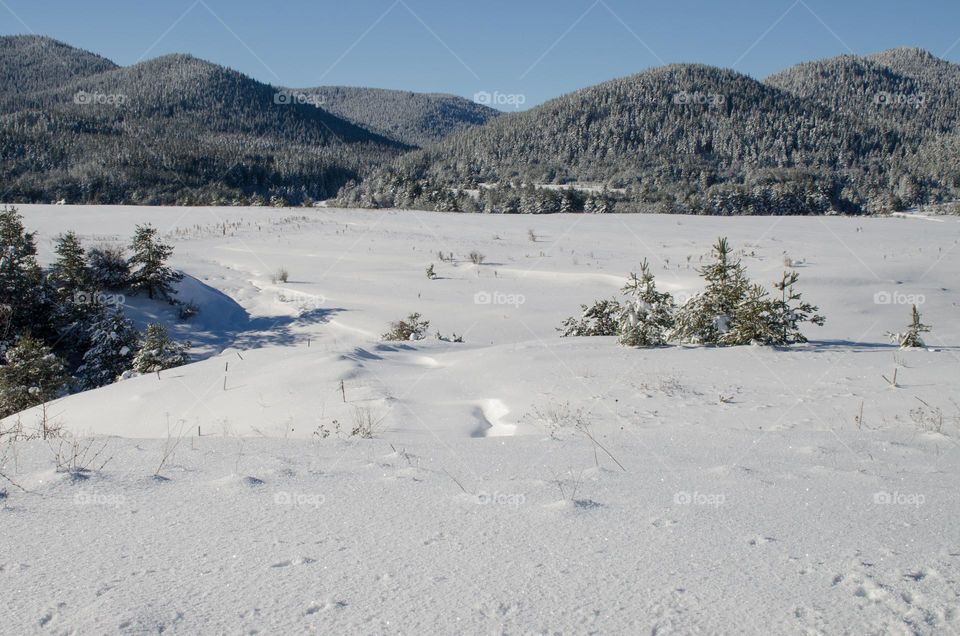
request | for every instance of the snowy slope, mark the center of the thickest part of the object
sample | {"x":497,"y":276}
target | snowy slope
{"x":771,"y":509}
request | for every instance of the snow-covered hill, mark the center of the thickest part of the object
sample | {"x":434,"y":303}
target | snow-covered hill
{"x":518,"y":481}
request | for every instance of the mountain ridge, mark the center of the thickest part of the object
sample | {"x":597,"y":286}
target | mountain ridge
{"x":697,"y":138}
{"x":846,"y":134}
{"x":172,"y":129}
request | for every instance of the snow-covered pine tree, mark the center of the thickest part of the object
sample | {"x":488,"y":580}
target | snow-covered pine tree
{"x":159,"y":351}
{"x":108,"y":267}
{"x":590,"y":204}
{"x":598,"y":203}
{"x":528,"y":199}
{"x":150,"y":271}
{"x":113,"y":343}
{"x":912,"y":336}
{"x":25,"y":303}
{"x":600,"y":319}
{"x":33,"y":375}
{"x":789,"y":311}
{"x":570,"y":201}
{"x":70,"y":273}
{"x":752,"y":321}
{"x":76,"y":297}
{"x":647,"y":315}
{"x":707,"y":316}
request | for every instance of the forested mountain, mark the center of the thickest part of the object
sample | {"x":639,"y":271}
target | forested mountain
{"x":850,"y":134}
{"x":907,"y":90}
{"x":29,"y":63}
{"x":171,"y":130}
{"x":416,"y":119}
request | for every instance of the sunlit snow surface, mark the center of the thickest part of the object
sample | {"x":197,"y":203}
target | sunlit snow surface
{"x":752,"y":500}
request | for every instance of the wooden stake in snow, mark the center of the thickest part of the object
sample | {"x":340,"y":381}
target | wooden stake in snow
{"x":343,"y":392}
{"x":892,"y":382}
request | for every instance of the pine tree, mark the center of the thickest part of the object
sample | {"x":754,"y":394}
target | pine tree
{"x":25,"y":305}
{"x":752,"y":321}
{"x":33,"y":375}
{"x":789,"y":311}
{"x":76,"y":305}
{"x":108,"y":267}
{"x":647,"y":315}
{"x":70,"y":273}
{"x":911,"y":337}
{"x":569,"y":201}
{"x":113,"y":342}
{"x":150,"y":272}
{"x":601,"y":319}
{"x":707,"y":316}
{"x":159,"y":352}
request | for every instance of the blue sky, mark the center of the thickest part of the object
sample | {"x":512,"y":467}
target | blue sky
{"x":536,"y":49}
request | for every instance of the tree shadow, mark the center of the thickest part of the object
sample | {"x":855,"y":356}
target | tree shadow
{"x":850,"y":346}
{"x":222,"y":322}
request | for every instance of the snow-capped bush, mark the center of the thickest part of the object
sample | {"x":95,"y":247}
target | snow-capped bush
{"x":411,"y":328}
{"x":32,"y":375}
{"x":159,"y":351}
{"x":187,"y":310}
{"x":647,"y":315}
{"x":113,"y":342}
{"x":911,"y":337}
{"x":730,"y":311}
{"x":600,"y":319}
{"x":707,"y":317}
{"x":734,"y":311}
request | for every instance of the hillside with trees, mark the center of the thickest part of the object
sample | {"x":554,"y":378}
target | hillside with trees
{"x":850,"y":134}
{"x":173,"y":130}
{"x":844,"y":135}
{"x":415,"y":119}
{"x":30,"y":63}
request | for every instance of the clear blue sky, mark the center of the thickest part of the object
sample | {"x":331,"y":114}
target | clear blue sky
{"x":535,"y":48}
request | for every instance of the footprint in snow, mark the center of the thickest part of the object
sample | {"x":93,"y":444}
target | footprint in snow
{"x":298,"y":561}
{"x":51,"y":614}
{"x":329,"y":605}
{"x":758,"y":540}
{"x":660,"y":522}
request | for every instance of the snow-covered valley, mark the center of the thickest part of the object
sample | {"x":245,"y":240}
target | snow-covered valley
{"x":517,"y":482}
